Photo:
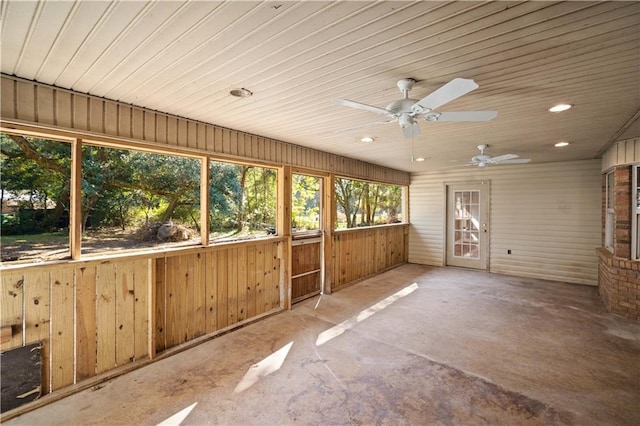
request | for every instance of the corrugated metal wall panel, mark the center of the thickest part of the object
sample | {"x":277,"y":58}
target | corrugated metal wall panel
{"x":548,"y":215}
{"x":34,"y":104}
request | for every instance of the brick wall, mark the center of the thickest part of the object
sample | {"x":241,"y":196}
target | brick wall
{"x":618,"y":275}
{"x":619,"y":284}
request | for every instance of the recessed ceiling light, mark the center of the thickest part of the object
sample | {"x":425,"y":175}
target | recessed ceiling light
{"x":241,"y":93}
{"x":561,"y":144}
{"x":560,"y":107}
{"x":420,"y":159}
{"x":366,"y":139}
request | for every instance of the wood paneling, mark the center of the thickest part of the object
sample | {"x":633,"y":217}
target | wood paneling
{"x":94,"y":316}
{"x":102,"y":117}
{"x":214,"y":289}
{"x":305,"y":269}
{"x":358,"y":253}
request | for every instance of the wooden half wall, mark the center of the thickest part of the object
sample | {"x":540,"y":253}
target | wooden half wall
{"x":361,"y":252}
{"x":95,"y":316}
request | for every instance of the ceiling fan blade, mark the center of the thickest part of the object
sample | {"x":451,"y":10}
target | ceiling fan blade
{"x":450,"y":91}
{"x":354,"y":104}
{"x":516,"y":161}
{"x":503,"y":158}
{"x":362,"y":126}
{"x":462,"y":116}
{"x":411,"y":131}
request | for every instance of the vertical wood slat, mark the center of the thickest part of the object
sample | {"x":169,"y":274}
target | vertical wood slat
{"x":232,"y":286}
{"x":11,"y":303}
{"x":211,"y":292}
{"x":62,"y":328}
{"x":37,"y":300}
{"x":124,"y":303}
{"x":105,"y":317}
{"x":198,"y":308}
{"x":160,"y":305}
{"x":259,"y":279}
{"x":251,"y":281}
{"x":221,"y":269}
{"x":141,"y":308}
{"x":85,"y":322}
{"x":242,"y":283}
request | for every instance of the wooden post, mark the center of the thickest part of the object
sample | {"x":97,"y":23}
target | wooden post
{"x":283,"y":228}
{"x":204,"y":201}
{"x":329,"y":222}
{"x":75,"y":205}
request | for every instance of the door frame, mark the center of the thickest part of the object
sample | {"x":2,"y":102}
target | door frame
{"x":485,"y":228}
{"x":311,"y":237}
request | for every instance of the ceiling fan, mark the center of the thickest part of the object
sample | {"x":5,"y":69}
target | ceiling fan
{"x":405,"y":111}
{"x":484,"y":160}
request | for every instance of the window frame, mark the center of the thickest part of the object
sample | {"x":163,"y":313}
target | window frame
{"x":75,"y":236}
{"x":321,"y":212}
{"x":635,"y":211}
{"x":609,"y":211}
{"x":403,"y":204}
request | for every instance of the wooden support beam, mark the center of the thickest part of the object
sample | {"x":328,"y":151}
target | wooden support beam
{"x":328,"y":224}
{"x":283,"y":227}
{"x":75,"y":205}
{"x":204,"y":201}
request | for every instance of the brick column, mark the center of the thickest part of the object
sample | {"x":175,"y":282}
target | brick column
{"x":622,"y":200}
{"x":618,"y":275}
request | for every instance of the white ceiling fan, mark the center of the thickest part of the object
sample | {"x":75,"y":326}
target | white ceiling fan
{"x":405,"y":111}
{"x":484,"y":160}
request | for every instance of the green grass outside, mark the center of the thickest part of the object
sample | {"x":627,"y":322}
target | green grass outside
{"x":46,"y":237}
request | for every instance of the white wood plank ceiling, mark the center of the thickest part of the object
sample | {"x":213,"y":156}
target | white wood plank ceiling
{"x":296,"y":57}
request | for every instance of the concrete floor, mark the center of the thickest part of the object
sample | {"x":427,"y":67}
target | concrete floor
{"x":415,"y":345}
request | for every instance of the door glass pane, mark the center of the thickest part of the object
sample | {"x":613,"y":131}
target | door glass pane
{"x":466,"y":224}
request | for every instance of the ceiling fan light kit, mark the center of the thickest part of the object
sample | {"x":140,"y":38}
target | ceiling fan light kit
{"x":405,"y":111}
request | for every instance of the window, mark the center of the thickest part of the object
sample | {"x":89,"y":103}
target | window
{"x":35,"y":176}
{"x":609,"y":211}
{"x":361,"y":203}
{"x":134,"y":200}
{"x":129,"y":199}
{"x":242,"y":201}
{"x":635,"y":212}
{"x":305,"y":203}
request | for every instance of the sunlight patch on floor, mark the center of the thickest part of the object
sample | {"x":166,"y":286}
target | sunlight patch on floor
{"x":179,"y":417}
{"x":338,"y":329}
{"x":269,"y":365}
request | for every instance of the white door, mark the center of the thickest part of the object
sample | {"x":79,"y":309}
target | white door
{"x":467,"y":224}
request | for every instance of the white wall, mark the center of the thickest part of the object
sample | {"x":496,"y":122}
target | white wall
{"x":548,"y":215}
